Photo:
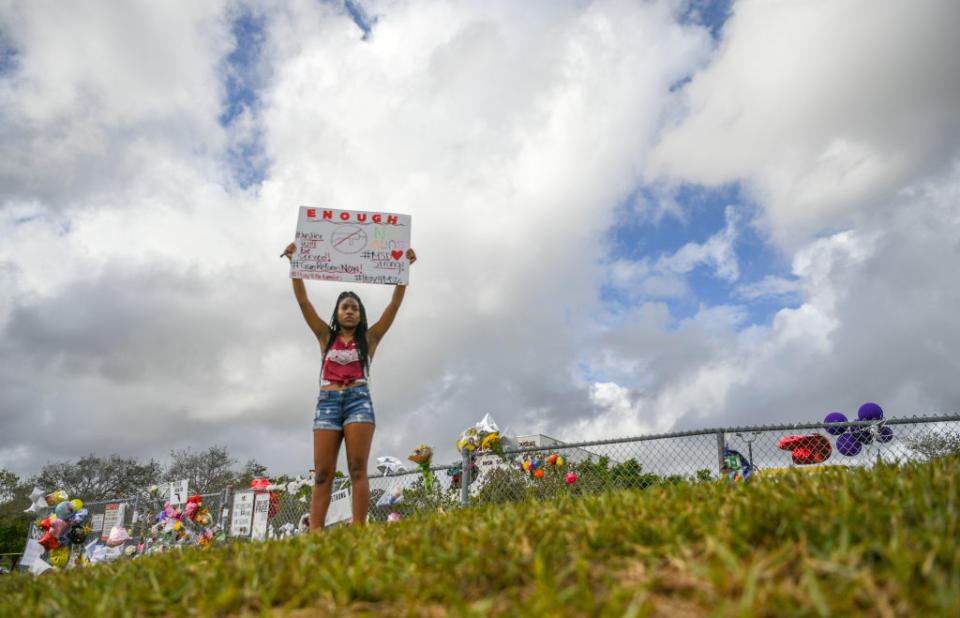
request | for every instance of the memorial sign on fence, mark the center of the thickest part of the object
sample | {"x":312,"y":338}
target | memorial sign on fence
{"x":261,"y":512}
{"x":351,"y":246}
{"x":341,"y":507}
{"x":242,"y":513}
{"x":112,"y":516}
{"x":178,"y":492}
{"x":96,"y":522}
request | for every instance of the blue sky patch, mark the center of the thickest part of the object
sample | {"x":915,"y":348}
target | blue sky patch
{"x":243,"y":79}
{"x":360,"y":17}
{"x":712,"y":14}
{"x":654,"y":224}
{"x":9,"y":56}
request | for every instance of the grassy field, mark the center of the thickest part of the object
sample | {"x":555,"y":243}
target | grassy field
{"x":861,"y":542}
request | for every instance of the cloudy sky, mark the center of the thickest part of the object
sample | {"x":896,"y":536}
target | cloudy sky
{"x":631,"y":216}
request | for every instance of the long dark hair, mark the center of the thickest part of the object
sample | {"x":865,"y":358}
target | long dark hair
{"x":359,"y":333}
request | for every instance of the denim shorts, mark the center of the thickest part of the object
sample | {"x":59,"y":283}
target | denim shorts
{"x":341,"y":407}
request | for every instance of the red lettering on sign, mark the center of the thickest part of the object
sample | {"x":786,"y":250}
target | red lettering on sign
{"x":311,"y":212}
{"x":344,"y":216}
{"x":392,"y":220}
{"x":361,"y":217}
{"x":376,"y":218}
{"x":328,"y":214}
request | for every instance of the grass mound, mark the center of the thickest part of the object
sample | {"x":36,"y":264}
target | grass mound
{"x":876,"y":542}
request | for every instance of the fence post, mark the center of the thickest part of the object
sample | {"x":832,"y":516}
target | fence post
{"x":464,"y":477}
{"x":225,"y":511}
{"x":136,"y":530}
{"x":720,"y":447}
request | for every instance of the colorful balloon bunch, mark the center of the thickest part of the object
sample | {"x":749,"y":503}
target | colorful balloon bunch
{"x":850,"y":440}
{"x":66,"y":525}
{"x":534,"y":466}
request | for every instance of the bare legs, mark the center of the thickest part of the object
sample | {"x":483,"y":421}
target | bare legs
{"x":326,"y":447}
{"x":358,"y":437}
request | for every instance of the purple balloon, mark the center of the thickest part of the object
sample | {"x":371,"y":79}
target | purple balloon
{"x":862,"y":434}
{"x":848,"y":445}
{"x":835,"y":417}
{"x":869,"y":412}
{"x":886,"y":434}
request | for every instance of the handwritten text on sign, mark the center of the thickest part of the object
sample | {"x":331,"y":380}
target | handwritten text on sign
{"x":351,"y":246}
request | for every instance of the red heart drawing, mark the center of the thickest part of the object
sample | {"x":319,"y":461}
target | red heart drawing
{"x":396,"y":254}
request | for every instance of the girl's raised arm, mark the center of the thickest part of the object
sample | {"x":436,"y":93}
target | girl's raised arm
{"x":376,"y":332}
{"x":316,"y":324}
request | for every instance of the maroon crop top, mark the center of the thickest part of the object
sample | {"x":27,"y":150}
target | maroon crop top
{"x":342,"y":364}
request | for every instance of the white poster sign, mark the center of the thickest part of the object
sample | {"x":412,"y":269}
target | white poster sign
{"x":31,"y":552}
{"x":261,"y":511}
{"x":112,"y":516}
{"x":341,"y":506}
{"x":242,"y":513}
{"x":352,"y":246}
{"x":96,"y":523}
{"x":178,"y":492}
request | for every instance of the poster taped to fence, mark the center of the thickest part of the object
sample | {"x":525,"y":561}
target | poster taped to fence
{"x":31,"y":552}
{"x":178,"y":492}
{"x":242,"y":513}
{"x":351,"y":246}
{"x":341,"y":507}
{"x":96,"y":523}
{"x":261,"y":512}
{"x":112,"y":516}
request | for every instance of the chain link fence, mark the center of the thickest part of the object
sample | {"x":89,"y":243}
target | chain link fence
{"x":540,"y":468}
{"x":143,"y":517}
{"x":543,"y":468}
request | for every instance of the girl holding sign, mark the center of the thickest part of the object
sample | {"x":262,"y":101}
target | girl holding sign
{"x":344,"y":409}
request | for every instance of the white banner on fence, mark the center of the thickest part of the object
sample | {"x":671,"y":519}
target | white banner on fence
{"x":31,"y":552}
{"x":112,"y":516}
{"x":178,"y":492}
{"x":242,"y":513}
{"x":261,"y":512}
{"x":341,"y":507}
{"x":351,"y":246}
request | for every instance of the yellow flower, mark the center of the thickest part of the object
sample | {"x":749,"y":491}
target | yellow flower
{"x":491,"y":441}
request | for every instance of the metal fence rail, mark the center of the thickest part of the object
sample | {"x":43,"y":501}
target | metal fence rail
{"x":549,"y":470}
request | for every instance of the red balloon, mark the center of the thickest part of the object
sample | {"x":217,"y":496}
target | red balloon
{"x":49,"y":541}
{"x":809,"y":449}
